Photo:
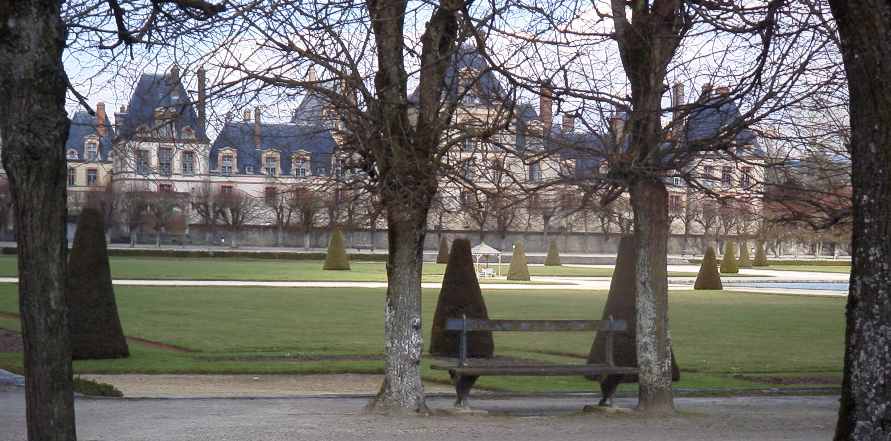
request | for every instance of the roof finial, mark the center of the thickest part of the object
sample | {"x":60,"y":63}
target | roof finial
{"x":311,"y":76}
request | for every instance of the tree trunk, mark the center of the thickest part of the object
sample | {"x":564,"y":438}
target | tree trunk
{"x":649,"y":200}
{"x":132,"y":238}
{"x":865,"y":411}
{"x":158,"y":239}
{"x":306,"y":242}
{"x":33,"y":128}
{"x":402,"y":389}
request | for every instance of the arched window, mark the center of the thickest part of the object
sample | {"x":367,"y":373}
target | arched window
{"x":72,"y":154}
{"x":92,"y":151}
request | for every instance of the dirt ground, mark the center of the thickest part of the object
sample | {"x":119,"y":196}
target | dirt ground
{"x":175,"y":386}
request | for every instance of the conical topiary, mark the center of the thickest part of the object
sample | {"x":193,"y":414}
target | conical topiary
{"x":744,"y":261}
{"x":460,"y":296}
{"x":92,"y":312}
{"x":760,"y":255}
{"x":621,"y":304}
{"x":728,"y":261}
{"x":443,"y":256}
{"x":337,"y":258}
{"x":553,"y":258}
{"x":708,"y":277}
{"x":519,"y":267}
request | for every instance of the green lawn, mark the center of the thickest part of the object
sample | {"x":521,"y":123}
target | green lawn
{"x":225,"y":268}
{"x":813,"y":268}
{"x":277,"y":330}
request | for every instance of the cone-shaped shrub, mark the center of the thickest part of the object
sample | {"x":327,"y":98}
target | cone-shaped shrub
{"x":460,"y":296}
{"x":728,"y":261}
{"x":744,"y":261}
{"x":708,"y":277}
{"x":337,"y":258}
{"x":553,"y":258}
{"x":443,"y":256}
{"x":621,"y":305}
{"x":519,"y":267}
{"x":92,"y":313}
{"x":760,"y":255}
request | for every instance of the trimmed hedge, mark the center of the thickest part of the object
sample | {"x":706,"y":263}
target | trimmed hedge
{"x":336,"y":259}
{"x":460,"y":295}
{"x":519,"y":268}
{"x":708,"y":277}
{"x":728,"y":262}
{"x":760,"y":255}
{"x":280,"y":255}
{"x":553,"y":258}
{"x":93,"y":320}
{"x":796,"y":262}
{"x":744,"y":261}
{"x":443,"y":256}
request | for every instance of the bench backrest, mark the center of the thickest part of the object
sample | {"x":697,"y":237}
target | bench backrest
{"x":471,"y":324}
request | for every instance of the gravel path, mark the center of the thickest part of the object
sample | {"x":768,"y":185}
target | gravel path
{"x":514,"y":419}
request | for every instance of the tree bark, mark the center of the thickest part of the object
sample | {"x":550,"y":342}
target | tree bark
{"x":649,"y":200}
{"x":865,"y":30}
{"x":34,"y":127}
{"x":402,"y":389}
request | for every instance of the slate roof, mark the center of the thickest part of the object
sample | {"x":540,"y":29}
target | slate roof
{"x":707,"y":122}
{"x":83,"y":125}
{"x":286,"y":138}
{"x":155,"y":91}
{"x":311,"y":111}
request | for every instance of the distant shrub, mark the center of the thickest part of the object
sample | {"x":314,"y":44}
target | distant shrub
{"x":744,"y":260}
{"x":728,"y":261}
{"x":519,"y":267}
{"x":337,"y":258}
{"x":708,"y":277}
{"x":553,"y":258}
{"x":760,"y":255}
{"x":443,"y":256}
{"x":92,"y":388}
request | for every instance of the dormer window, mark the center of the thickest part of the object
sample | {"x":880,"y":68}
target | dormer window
{"x":301,"y":167}
{"x":188,"y":133}
{"x":270,"y":165}
{"x":92,"y":151}
{"x":72,"y":154}
{"x":227,"y":163}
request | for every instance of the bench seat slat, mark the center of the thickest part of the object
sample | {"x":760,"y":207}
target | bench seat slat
{"x":534,"y":325}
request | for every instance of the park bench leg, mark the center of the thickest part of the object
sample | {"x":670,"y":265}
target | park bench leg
{"x":608,"y":386}
{"x":463,"y":384}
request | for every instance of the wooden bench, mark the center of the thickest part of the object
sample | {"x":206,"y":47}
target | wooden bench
{"x":463,"y":370}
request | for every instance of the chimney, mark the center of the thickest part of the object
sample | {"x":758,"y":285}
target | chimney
{"x":257,"y":139}
{"x":706,"y":90}
{"x":202,"y":98}
{"x":568,"y":123}
{"x":174,"y":82}
{"x":723,"y":91}
{"x":311,"y":76}
{"x":617,"y":123}
{"x":119,"y":117}
{"x":546,"y":105}
{"x":677,"y":100}
{"x":101,"y":129}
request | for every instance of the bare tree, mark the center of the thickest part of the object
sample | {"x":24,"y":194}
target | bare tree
{"x":237,"y":209}
{"x":163,"y":208}
{"x":307,"y":205}
{"x":204,"y":204}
